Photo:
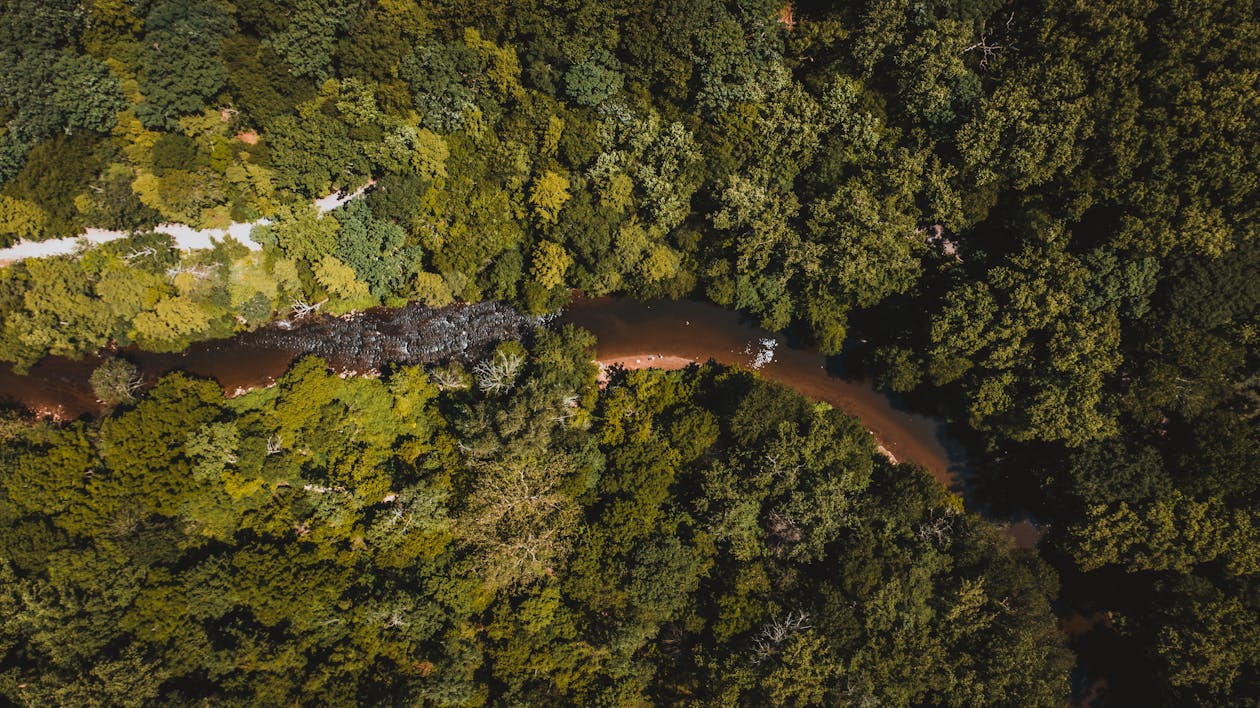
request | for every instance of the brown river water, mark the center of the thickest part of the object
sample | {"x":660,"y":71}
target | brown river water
{"x":673,"y":333}
{"x":665,"y":334}
{"x":58,"y":387}
{"x":662,"y":334}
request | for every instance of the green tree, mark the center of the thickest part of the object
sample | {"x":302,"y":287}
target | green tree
{"x":171,"y":324}
{"x":519,"y":520}
{"x":86,"y":93}
{"x":20,"y":219}
{"x":550,"y":261}
{"x":55,"y":173}
{"x":591,"y":82}
{"x":339,"y":280}
{"x":1169,"y":533}
{"x":115,"y":381}
{"x":309,"y":33}
{"x":180,"y":67}
{"x":548,"y":195}
{"x":1033,"y":356}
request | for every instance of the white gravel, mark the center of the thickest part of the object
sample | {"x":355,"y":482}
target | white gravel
{"x":186,"y":237}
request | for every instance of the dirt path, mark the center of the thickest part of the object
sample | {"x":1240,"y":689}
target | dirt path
{"x":186,"y":237}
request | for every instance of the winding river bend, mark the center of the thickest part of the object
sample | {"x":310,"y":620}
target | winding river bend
{"x":674,"y":333}
{"x":660,"y":334}
{"x":664,"y":334}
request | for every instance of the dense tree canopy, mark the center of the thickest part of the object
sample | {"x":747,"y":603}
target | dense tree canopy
{"x":696,"y":536}
{"x":1036,"y":218}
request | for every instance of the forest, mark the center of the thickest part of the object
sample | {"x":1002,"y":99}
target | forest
{"x":1036,"y":219}
{"x":676,"y":537}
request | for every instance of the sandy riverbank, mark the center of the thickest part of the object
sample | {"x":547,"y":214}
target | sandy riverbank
{"x":670,"y":362}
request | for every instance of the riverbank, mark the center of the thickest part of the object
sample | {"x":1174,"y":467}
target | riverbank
{"x":671,"y":334}
{"x":638,"y":336}
{"x":58,"y":387}
{"x":671,"y":363}
{"x":663,"y":334}
{"x":634,"y":335}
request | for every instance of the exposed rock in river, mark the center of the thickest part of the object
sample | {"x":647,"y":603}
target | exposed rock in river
{"x":414,"y":334}
{"x":365,"y":341}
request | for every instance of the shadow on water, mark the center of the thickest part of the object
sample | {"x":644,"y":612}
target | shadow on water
{"x":960,"y":465}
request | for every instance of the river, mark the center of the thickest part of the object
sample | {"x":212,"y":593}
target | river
{"x":674,"y":333}
{"x":664,"y":334}
{"x":58,"y":387}
{"x":661,"y":334}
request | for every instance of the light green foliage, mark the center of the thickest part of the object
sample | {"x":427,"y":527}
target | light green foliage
{"x":179,"y":195}
{"x":348,"y":292}
{"x":548,"y":195}
{"x":253,"y":290}
{"x":549,"y":263}
{"x":1170,"y":533}
{"x":53,"y":312}
{"x":500,"y":65}
{"x":660,"y":158}
{"x":20,"y":219}
{"x":430,"y":289}
{"x":171,"y":323}
{"x":420,"y":152}
{"x":212,"y":448}
{"x":305,"y":234}
{"x":327,"y":521}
